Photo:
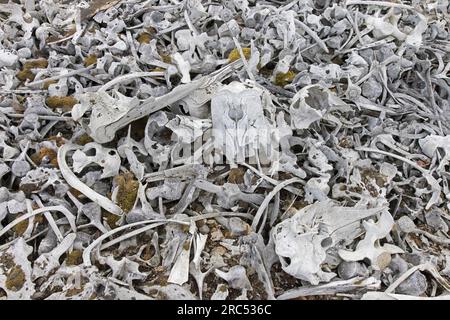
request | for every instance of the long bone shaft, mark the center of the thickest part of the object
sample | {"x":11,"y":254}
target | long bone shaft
{"x":103,"y":133}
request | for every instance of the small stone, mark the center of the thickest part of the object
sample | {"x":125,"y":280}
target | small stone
{"x":414,"y":258}
{"x":204,"y":229}
{"x":4,"y":194}
{"x":217,"y":261}
{"x":219,"y":250}
{"x":24,"y":53}
{"x":415,"y":285}
{"x":20,"y":168}
{"x":348,"y":269}
{"x":398,"y":265}
{"x":434,"y":220}
{"x":216,"y":235}
{"x":7,"y":58}
{"x":238,"y":226}
{"x":372,"y":89}
{"x":383,"y":260}
{"x":406,"y":225}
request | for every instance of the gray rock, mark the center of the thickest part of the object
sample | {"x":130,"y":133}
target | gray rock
{"x":20,"y":168}
{"x":398,"y":265}
{"x":204,"y":229}
{"x":238,"y":226}
{"x":135,"y":216}
{"x":372,"y":89}
{"x":4,"y":194}
{"x":415,"y":258}
{"x":415,"y":285}
{"x":350,"y":269}
{"x":434,"y":220}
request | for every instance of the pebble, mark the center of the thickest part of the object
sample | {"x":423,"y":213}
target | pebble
{"x":349,"y":269}
{"x":415,"y":285}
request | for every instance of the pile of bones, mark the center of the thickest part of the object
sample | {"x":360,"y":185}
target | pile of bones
{"x":234,"y":149}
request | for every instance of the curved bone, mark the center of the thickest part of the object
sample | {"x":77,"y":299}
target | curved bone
{"x":75,"y":183}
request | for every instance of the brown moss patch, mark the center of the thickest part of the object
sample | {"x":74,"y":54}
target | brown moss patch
{"x":127,"y":193}
{"x":76,"y":193}
{"x":159,"y":277}
{"x":282,"y":79}
{"x":234,"y":54}
{"x":26,"y":73}
{"x":46,"y":153}
{"x":148,"y":252}
{"x":111,"y":219}
{"x":36,"y":64}
{"x":74,"y":258}
{"x":15,"y":279}
{"x":39,"y":218}
{"x":299,"y":204}
{"x":21,"y":227}
{"x":370,"y":174}
{"x":144,"y":37}
{"x":51,"y":39}
{"x":7,"y":260}
{"x":70,"y":31}
{"x":59,"y":140}
{"x":48,"y":83}
{"x":73,"y":292}
{"x":236,"y":175}
{"x":18,"y":107}
{"x":84,"y":139}
{"x":28,"y":188}
{"x":90,"y":60}
{"x":186,"y":245}
{"x":165,"y":58}
{"x":64,"y":102}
